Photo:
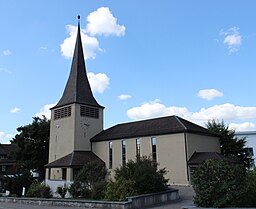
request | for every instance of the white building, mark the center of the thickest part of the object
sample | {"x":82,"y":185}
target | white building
{"x":251,"y":141}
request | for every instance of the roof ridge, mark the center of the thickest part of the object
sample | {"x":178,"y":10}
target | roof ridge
{"x":178,"y":119}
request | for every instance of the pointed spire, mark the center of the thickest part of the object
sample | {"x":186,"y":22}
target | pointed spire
{"x":78,"y":89}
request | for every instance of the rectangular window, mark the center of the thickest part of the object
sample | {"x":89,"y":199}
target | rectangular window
{"x":123,"y":152}
{"x":91,"y":112}
{"x":138,"y":147}
{"x":3,"y":156}
{"x":64,"y":173}
{"x":62,"y":112}
{"x":3,"y":168}
{"x":153,"y":144}
{"x":249,"y":150}
{"x":49,"y":173}
{"x":110,"y":152}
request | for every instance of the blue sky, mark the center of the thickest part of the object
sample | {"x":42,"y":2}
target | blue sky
{"x":145,"y":59}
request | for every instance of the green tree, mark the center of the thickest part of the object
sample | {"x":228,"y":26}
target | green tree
{"x":219,"y":183}
{"x":140,"y":177}
{"x":90,"y":182}
{"x":231,"y":146}
{"x":33,"y":146}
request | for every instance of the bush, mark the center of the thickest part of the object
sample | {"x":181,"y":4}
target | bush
{"x":219,"y":183}
{"x":16,"y":183}
{"x":249,"y":199}
{"x":90,"y":182}
{"x":139,"y":177}
{"x":62,"y":190}
{"x":38,"y":189}
{"x":120,"y":190}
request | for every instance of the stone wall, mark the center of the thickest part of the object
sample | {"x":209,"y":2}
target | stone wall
{"x":135,"y":202}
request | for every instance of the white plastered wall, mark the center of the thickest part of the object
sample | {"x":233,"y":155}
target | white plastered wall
{"x":170,"y":154}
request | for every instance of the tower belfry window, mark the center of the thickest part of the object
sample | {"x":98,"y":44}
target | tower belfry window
{"x":91,"y":112}
{"x":62,"y":112}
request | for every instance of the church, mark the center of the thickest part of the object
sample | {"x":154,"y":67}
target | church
{"x":77,"y":135}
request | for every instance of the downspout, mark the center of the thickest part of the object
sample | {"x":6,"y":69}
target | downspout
{"x":186,"y":147}
{"x":186,"y":150}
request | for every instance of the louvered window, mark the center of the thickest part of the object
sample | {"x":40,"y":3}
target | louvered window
{"x":91,"y":112}
{"x":62,"y":112}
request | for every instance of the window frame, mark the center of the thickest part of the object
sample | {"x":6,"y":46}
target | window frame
{"x":138,"y":147}
{"x":123,"y":152}
{"x":110,"y":155}
{"x":154,"y":148}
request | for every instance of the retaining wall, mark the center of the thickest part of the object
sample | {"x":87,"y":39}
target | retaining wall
{"x":135,"y":202}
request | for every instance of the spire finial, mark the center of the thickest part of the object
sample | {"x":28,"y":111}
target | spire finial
{"x":78,"y":19}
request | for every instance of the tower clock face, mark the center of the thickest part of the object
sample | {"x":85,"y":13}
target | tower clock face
{"x":85,"y":125}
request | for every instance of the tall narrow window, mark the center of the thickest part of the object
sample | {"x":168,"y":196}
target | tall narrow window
{"x":110,"y":153}
{"x":153,"y":143}
{"x":49,"y":173}
{"x":64,"y":173}
{"x":123,"y":152}
{"x":138,"y":147}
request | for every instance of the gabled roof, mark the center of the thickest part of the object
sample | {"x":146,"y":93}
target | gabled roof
{"x":199,"y":157}
{"x":151,"y":127}
{"x":7,"y":149}
{"x":78,"y":89}
{"x":75,"y":159}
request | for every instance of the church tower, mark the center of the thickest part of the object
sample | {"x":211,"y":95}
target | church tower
{"x":77,"y":117}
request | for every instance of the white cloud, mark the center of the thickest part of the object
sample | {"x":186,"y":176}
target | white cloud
{"x":43,"y":47}
{"x":246,"y":126}
{"x":209,"y":94}
{"x":102,"y":22}
{"x":124,"y":96}
{"x":98,"y":82}
{"x":5,"y":138}
{"x":90,"y":44}
{"x":15,"y":110}
{"x":227,"y":112}
{"x":232,"y":39}
{"x":155,"y":109}
{"x":5,"y":70}
{"x":6,"y":52}
{"x":45,"y":110}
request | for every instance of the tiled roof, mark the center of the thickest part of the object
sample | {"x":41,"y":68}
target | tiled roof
{"x":151,"y":127}
{"x":199,"y":157}
{"x":78,"y":89}
{"x":7,"y":149}
{"x":75,"y":159}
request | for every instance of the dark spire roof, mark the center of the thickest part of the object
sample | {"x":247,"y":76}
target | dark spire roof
{"x":78,"y":89}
